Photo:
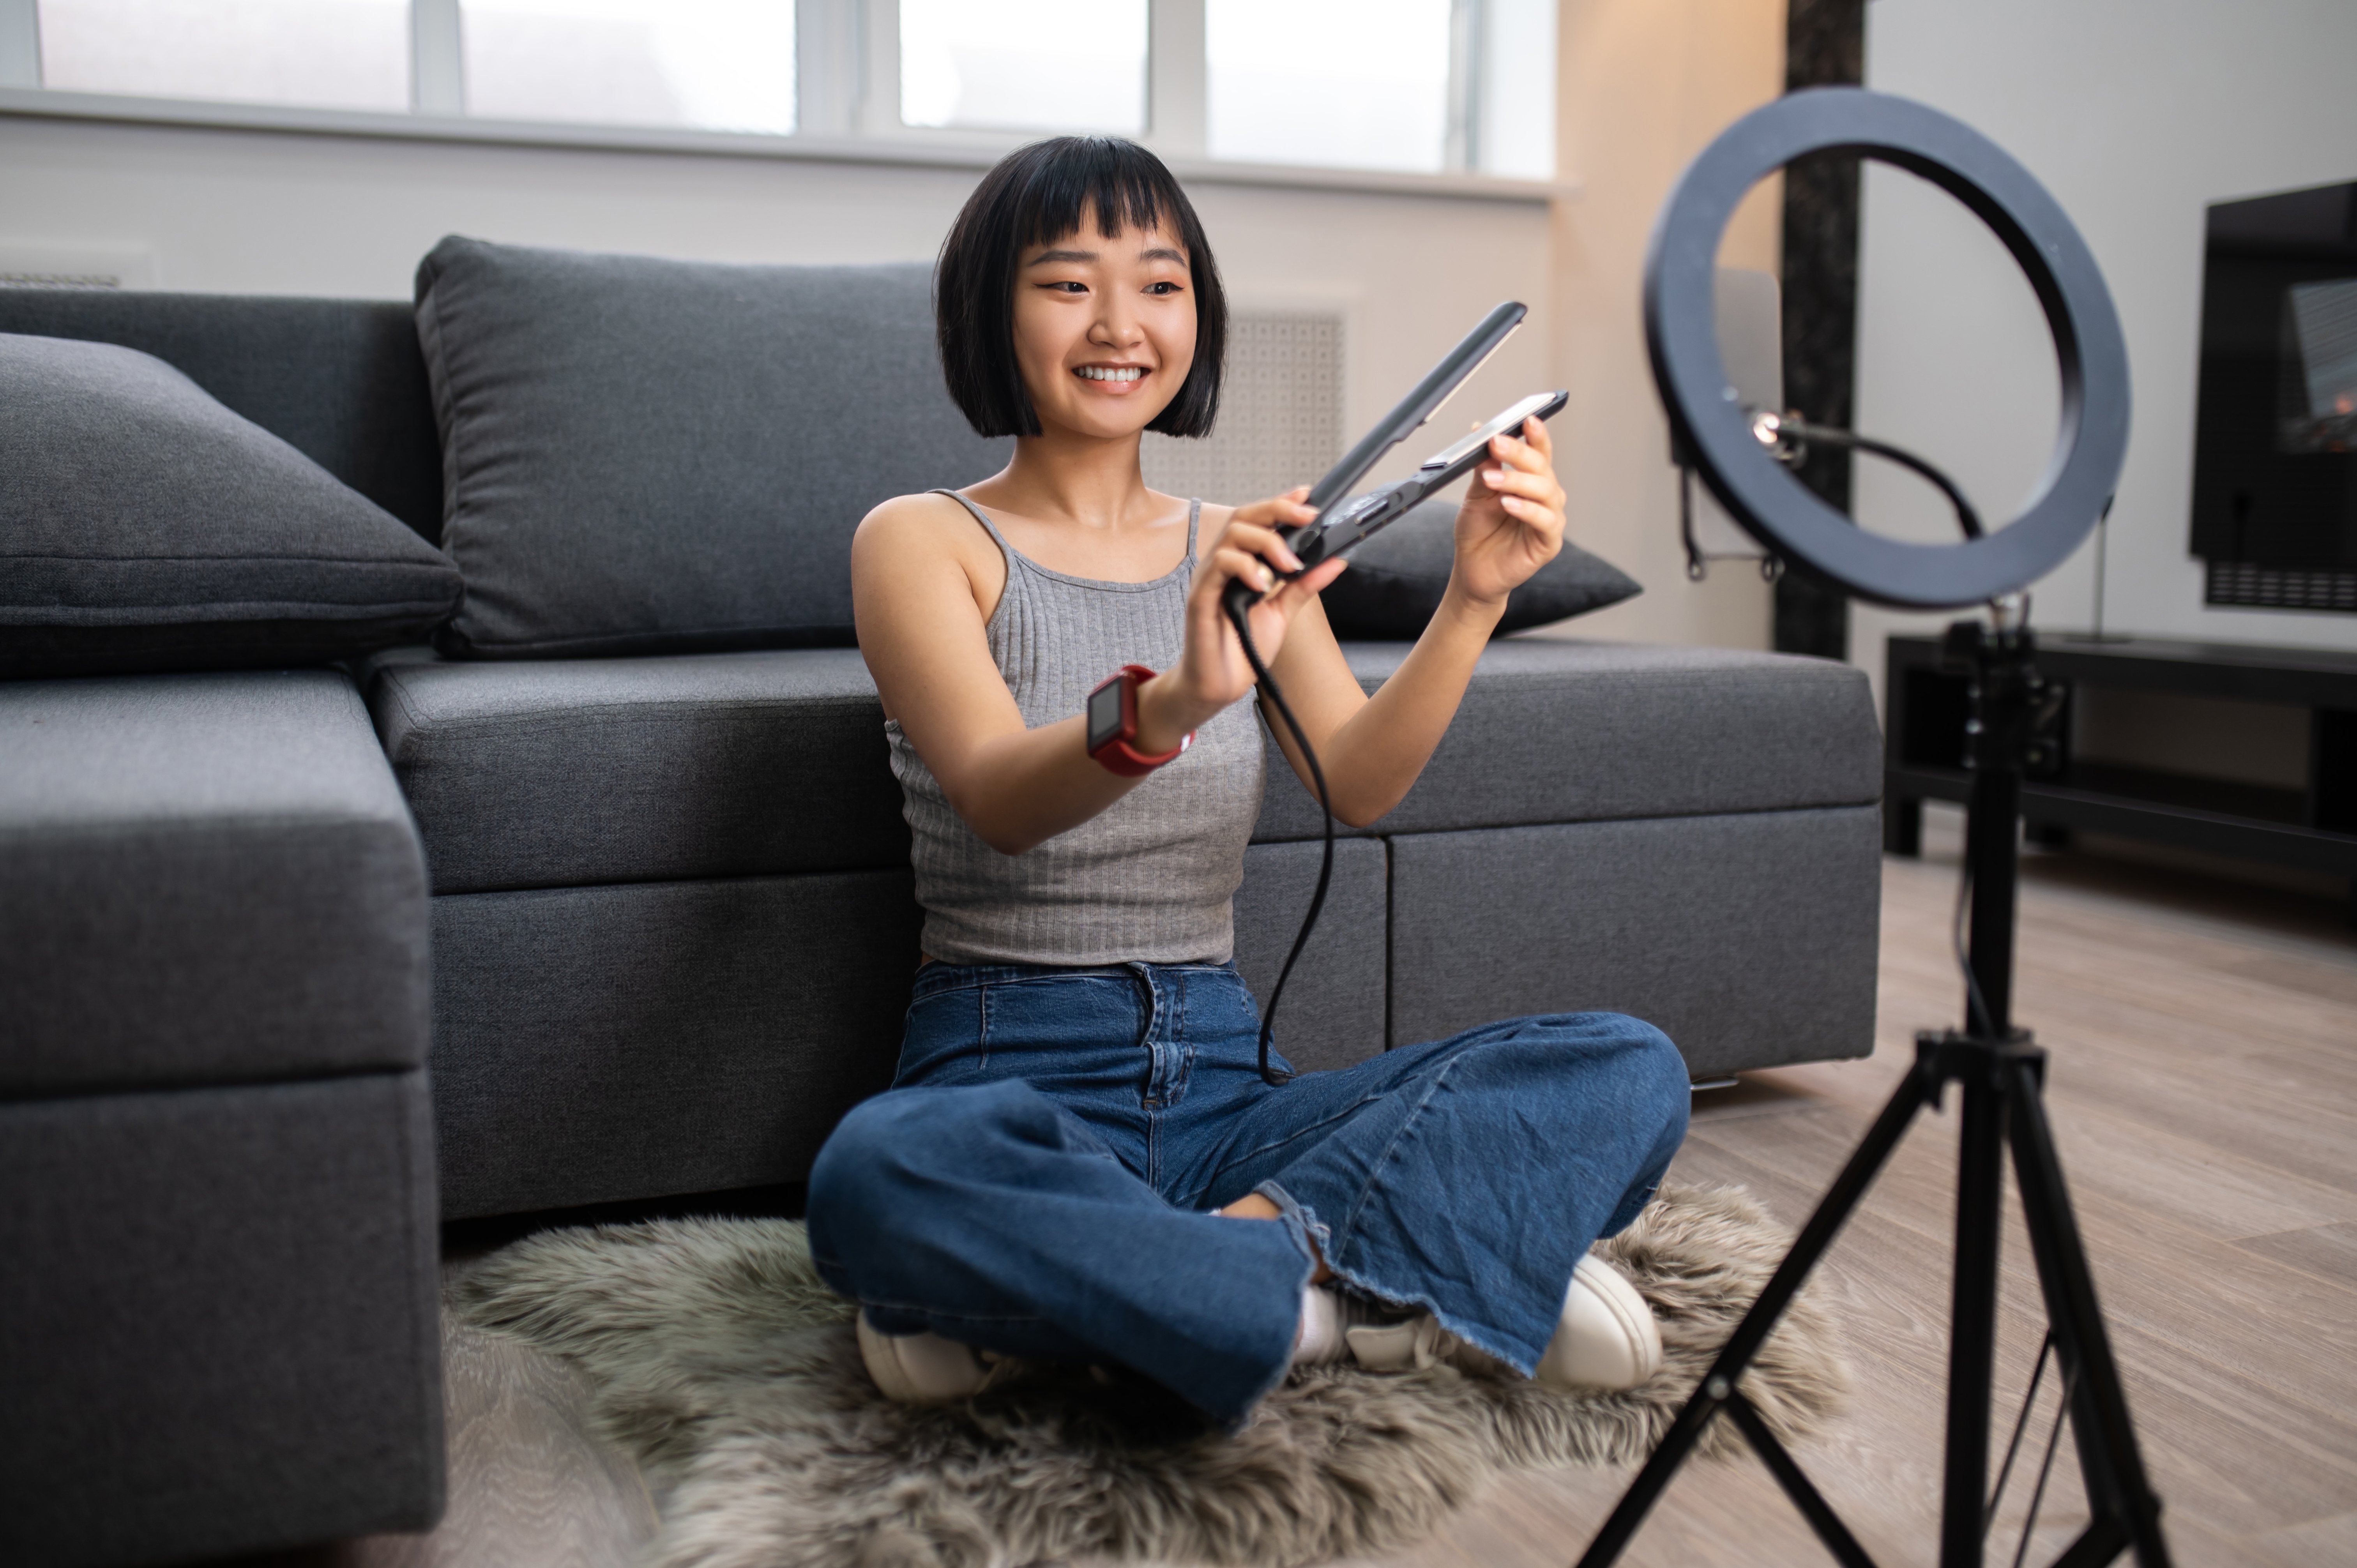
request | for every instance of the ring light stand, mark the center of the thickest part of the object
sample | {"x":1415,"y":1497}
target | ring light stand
{"x":2001,"y":1071}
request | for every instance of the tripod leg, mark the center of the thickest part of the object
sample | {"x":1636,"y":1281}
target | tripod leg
{"x":1971,"y":1325}
{"x":2099,"y":1417}
{"x":1913,"y":1092}
{"x":1798,"y":1487}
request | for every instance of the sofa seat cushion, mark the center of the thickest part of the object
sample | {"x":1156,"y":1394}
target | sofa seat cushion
{"x":581,"y":772}
{"x":1559,"y":731}
{"x":211,"y":878}
{"x":586,"y":771}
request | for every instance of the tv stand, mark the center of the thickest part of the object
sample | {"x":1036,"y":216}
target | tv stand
{"x":2312,"y":828}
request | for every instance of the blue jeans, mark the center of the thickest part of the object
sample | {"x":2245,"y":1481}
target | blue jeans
{"x":1039,"y":1179}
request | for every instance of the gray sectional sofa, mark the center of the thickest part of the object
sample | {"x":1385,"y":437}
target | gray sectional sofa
{"x":296,"y":963}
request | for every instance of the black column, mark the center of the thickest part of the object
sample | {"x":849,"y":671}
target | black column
{"x":1824,"y":45}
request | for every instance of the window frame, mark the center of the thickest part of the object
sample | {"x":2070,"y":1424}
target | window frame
{"x":847,"y":88}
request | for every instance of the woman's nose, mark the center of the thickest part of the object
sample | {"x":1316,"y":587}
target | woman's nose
{"x":1116,"y":328}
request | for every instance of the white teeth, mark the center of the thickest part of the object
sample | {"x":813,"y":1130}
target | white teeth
{"x":1111,"y":373}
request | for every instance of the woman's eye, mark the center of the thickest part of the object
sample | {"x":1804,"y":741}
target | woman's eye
{"x":1162,"y":288}
{"x":1069,"y":287}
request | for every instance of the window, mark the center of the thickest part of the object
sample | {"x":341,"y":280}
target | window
{"x":1513,"y":90}
{"x":337,"y":54}
{"x":1424,"y":85}
{"x":1024,"y":64}
{"x":717,"y":65}
{"x":1350,"y":83}
{"x":1432,"y":87}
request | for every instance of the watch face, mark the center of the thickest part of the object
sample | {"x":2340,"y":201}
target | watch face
{"x":1104,"y":713}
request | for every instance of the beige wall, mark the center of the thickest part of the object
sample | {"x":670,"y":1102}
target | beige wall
{"x":1645,"y":85}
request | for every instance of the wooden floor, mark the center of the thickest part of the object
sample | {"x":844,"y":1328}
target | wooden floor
{"x":2204,"y":1092}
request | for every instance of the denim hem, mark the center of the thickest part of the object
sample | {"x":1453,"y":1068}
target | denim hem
{"x":932,"y":1319}
{"x":1244,"y":1417}
{"x":1302,"y":1223}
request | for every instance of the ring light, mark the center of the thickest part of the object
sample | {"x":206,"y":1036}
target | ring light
{"x":1712,"y":426}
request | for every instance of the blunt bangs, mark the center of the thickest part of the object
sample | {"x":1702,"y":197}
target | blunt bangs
{"x":1040,"y":193}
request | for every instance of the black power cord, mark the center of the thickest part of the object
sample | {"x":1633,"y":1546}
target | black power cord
{"x":1239,"y":614}
{"x":1788,"y":437}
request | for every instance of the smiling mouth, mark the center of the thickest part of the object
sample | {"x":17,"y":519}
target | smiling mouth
{"x":1111,"y":372}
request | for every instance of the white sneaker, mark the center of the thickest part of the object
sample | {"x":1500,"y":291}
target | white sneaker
{"x":1606,"y":1338}
{"x":1328,"y":1318}
{"x":921,"y":1369}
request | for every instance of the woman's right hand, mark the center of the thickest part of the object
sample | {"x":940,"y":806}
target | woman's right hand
{"x":1212,"y":672}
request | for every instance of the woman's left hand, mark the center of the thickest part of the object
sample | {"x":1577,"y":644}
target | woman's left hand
{"x":1512,"y":521}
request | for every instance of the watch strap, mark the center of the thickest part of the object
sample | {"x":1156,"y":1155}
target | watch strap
{"x":1117,"y":754}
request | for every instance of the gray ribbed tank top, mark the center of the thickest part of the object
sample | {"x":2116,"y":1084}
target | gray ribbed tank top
{"x":1153,"y":877}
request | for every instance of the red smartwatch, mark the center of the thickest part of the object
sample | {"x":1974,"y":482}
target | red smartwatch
{"x":1112,"y":725}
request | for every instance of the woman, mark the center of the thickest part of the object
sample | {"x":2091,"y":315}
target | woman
{"x":1080,"y":1158}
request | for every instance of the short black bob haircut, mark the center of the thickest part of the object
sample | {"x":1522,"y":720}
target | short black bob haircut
{"x":1038,"y":194}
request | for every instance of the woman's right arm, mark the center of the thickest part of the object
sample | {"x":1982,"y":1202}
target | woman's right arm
{"x":920,"y":630}
{"x":914,"y":573}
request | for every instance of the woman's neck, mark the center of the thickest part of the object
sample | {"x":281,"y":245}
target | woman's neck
{"x":1063,"y":477}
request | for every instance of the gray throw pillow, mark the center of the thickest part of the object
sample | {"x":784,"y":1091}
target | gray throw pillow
{"x":641,"y":455}
{"x":143,"y":526}
{"x":1394,"y":581}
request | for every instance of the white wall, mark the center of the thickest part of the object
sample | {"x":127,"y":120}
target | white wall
{"x":2135,"y":114}
{"x":241,"y":211}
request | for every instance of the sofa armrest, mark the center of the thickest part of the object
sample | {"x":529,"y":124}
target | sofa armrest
{"x":211,"y":878}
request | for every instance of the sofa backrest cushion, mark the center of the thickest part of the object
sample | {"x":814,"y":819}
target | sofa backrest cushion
{"x":340,"y":380}
{"x":145,"y":526}
{"x":644,"y":456}
{"x":1396,"y":579}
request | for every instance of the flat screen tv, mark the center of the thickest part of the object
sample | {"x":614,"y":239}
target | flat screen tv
{"x":2275,"y":462}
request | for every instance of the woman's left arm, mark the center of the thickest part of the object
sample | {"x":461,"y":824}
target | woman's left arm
{"x":1373,"y":748}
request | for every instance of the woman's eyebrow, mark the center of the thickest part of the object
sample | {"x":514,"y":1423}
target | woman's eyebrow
{"x":1046,"y":256}
{"x":1162,"y":253}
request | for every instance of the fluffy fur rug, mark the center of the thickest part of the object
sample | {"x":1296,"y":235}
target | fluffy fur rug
{"x":726,"y":1366}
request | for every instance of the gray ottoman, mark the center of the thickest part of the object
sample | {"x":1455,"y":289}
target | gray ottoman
{"x":217,"y":1210}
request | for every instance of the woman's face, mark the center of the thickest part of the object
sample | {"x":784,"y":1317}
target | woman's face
{"x":1104,"y":329}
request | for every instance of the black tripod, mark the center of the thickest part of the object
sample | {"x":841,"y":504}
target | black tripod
{"x":2001,"y":1073}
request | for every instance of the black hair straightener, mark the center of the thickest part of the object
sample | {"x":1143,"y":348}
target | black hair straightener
{"x":1340,"y":525}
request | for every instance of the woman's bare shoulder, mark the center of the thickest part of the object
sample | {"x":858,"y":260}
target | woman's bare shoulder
{"x":1210,"y":526}
{"x":927,"y":515}
{"x":926,"y":527}
{"x":928,"y":539}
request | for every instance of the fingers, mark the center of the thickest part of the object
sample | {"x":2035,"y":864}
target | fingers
{"x":1277,"y":511}
{"x":1228,"y":562}
{"x":1251,"y":554}
{"x":1305,"y":588}
{"x":1532,"y":452}
{"x":1524,"y":477}
{"x":1536,"y":432}
{"x":1515,"y":484}
{"x":1265,"y":542}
